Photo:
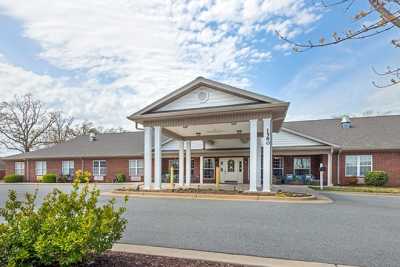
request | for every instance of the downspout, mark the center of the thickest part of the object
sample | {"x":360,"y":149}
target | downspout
{"x":338,"y":167}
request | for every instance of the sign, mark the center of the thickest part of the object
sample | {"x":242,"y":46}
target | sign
{"x":267,"y":137}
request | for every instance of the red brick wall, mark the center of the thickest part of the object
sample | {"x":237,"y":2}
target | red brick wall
{"x":381,"y":161}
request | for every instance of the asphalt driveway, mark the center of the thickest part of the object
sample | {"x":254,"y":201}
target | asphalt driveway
{"x":354,"y":229}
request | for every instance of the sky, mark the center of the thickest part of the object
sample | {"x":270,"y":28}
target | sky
{"x":103,"y":60}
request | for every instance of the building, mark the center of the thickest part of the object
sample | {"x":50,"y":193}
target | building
{"x":206,"y":124}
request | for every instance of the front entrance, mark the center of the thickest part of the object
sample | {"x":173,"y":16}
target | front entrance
{"x":231,"y":170}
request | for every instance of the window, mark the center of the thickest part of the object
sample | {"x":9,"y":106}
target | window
{"x":67,"y":167}
{"x":135,"y":167}
{"x":231,"y":165}
{"x":302,"y":166}
{"x":277,"y":165}
{"x":41,"y":168}
{"x":209,"y":168}
{"x":99,"y":168}
{"x":19,"y":168}
{"x":358,"y":165}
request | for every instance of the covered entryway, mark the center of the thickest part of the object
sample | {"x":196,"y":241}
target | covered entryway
{"x":207,"y":110}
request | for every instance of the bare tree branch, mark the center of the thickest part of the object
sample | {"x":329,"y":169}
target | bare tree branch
{"x":23,"y":122}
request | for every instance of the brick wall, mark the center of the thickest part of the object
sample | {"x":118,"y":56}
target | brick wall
{"x":381,"y":161}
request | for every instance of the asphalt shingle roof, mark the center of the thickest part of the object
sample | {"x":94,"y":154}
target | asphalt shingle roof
{"x":381,"y":132}
{"x":106,"y":145}
{"x":367,"y":133}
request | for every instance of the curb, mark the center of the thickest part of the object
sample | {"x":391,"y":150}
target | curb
{"x":218,"y":257}
{"x":193,"y":196}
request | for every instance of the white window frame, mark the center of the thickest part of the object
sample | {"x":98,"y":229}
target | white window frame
{"x":99,"y":171}
{"x":40,"y":168}
{"x":294,"y":165}
{"x":67,"y":165}
{"x":358,"y":165}
{"x":136,"y":169}
{"x":209,"y":168}
{"x":19,"y":168}
{"x":282,"y":165}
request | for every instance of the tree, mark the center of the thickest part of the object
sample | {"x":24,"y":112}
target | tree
{"x":61,"y":130}
{"x":87,"y":127}
{"x":24,"y":123}
{"x":385,"y":16}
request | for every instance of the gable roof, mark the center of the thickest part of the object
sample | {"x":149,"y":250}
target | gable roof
{"x":367,"y":133}
{"x":201,"y":81}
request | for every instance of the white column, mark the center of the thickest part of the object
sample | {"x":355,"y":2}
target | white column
{"x":253,"y":156}
{"x":157,"y":157}
{"x":330,"y":169}
{"x":267,"y":155}
{"x":181,"y":162}
{"x":259,"y":163}
{"x":201,"y":170}
{"x":147,"y":158}
{"x":188,"y":163}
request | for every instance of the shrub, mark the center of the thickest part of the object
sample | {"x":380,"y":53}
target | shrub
{"x":120,"y":178}
{"x":49,"y":178}
{"x":69,"y":228}
{"x":83,"y":176}
{"x":13,"y":178}
{"x":376,"y":178}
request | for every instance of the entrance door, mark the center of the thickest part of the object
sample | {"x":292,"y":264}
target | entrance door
{"x":231,"y":170}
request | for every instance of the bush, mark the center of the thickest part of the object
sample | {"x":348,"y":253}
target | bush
{"x":376,"y":178}
{"x":49,"y":178}
{"x":13,"y":178}
{"x":83,"y":176}
{"x":120,"y":178}
{"x":69,"y":228}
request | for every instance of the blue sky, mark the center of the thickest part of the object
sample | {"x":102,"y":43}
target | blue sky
{"x":102,"y":60}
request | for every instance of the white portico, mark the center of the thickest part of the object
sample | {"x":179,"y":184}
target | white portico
{"x":207,"y":110}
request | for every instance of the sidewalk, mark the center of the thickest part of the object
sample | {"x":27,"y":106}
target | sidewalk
{"x":218,"y":257}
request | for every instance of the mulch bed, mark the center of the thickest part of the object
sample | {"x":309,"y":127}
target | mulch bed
{"x":121,"y":259}
{"x":216,"y":192}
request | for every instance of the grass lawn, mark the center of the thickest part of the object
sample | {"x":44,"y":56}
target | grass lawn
{"x":365,"y":189}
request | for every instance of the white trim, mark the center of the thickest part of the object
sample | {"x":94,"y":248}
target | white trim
{"x":42,"y":166}
{"x":19,"y":170}
{"x":358,"y":164}
{"x":294,"y":169}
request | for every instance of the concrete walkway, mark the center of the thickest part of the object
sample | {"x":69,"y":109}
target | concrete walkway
{"x":218,"y":257}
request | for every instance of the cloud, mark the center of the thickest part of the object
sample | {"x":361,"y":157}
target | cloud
{"x":125,"y":54}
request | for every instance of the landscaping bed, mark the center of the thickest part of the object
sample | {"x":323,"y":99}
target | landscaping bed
{"x":213,"y":193}
{"x":122,"y":259}
{"x":362,"y":189}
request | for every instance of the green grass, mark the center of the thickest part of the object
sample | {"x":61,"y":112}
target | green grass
{"x":365,"y":189}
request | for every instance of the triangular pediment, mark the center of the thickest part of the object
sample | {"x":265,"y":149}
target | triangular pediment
{"x":205,"y":93}
{"x":205,"y":96}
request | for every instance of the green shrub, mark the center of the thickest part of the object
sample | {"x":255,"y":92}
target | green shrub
{"x":49,"y":178}
{"x":376,"y":178}
{"x":13,"y":178}
{"x":120,"y":178}
{"x":68,"y":228}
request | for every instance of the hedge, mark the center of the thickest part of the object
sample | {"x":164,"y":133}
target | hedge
{"x":376,"y":178}
{"x":13,"y":178}
{"x":49,"y":178}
